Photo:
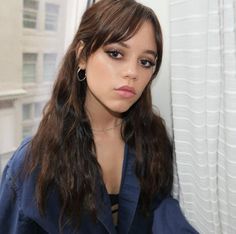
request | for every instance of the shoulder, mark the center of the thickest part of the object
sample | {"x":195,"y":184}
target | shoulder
{"x":16,"y":162}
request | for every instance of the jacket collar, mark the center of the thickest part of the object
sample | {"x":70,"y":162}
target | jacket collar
{"x":128,"y":198}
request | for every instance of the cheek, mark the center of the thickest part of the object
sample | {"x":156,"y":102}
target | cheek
{"x":94,"y":69}
{"x":99,"y":65}
{"x":95,"y":85}
{"x":143,"y":84}
{"x":94,"y":73}
{"x":145,"y":77}
{"x":100,"y":73}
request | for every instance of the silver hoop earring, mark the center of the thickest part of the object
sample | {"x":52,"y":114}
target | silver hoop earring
{"x":81,"y":74}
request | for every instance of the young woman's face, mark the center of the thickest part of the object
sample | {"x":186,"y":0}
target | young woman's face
{"x":118,"y":73}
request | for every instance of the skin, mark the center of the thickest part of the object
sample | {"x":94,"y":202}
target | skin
{"x":131,"y":64}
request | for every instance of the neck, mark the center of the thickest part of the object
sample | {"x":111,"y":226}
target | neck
{"x":103,"y":130}
{"x":100,"y":122}
{"x":102,"y":119}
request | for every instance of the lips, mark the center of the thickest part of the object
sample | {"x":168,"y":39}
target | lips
{"x":126,"y":91}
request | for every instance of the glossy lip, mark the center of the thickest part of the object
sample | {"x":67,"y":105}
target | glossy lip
{"x":126,"y":91}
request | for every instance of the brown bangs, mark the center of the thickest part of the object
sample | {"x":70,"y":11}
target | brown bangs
{"x":121,"y":25}
{"x":115,"y":29}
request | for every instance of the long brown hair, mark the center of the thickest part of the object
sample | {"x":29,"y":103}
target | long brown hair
{"x":63,"y":148}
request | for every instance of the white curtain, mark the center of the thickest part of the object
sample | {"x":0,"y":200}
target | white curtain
{"x":203,"y":80}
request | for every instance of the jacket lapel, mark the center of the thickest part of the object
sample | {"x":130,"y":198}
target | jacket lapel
{"x":129,"y":193}
{"x":104,"y":212}
{"x":128,"y":198}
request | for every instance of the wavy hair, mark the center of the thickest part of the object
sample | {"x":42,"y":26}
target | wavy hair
{"x":63,"y":148}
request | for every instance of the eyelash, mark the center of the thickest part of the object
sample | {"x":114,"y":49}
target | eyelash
{"x":112,"y":53}
{"x":151,"y":64}
{"x":115,"y":53}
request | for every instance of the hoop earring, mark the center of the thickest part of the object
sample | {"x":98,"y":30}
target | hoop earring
{"x":81,"y":74}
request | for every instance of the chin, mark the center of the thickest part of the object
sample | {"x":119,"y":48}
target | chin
{"x":120,"y":109}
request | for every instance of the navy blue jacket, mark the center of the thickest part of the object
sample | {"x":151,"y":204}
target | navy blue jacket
{"x":19,"y":213}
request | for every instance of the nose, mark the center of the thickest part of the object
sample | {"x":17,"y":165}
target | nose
{"x":131,"y":69}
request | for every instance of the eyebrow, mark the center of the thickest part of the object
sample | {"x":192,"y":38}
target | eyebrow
{"x":152,"y":52}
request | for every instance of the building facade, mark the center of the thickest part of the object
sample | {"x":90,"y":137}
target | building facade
{"x":32,"y":43}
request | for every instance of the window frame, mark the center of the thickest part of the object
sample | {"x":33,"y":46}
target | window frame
{"x":35,"y":68}
{"x":51,"y":19}
{"x":31,"y":11}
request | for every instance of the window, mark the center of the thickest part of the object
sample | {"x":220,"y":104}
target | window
{"x":51,"y":17}
{"x":38,"y":108}
{"x":49,"y":66}
{"x":27,"y":111}
{"x":31,"y":114}
{"x":32,"y":111}
{"x":30,"y":14}
{"x":29,"y":67}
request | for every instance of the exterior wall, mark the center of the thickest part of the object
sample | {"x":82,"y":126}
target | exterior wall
{"x":11,"y":29}
{"x":10,"y":75}
{"x":14,"y":41}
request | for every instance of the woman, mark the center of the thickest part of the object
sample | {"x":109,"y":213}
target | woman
{"x":101,"y":160}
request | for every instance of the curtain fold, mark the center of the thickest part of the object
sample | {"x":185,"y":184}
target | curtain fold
{"x":203,"y":80}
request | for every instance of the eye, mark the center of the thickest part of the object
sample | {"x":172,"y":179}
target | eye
{"x":146,"y":63}
{"x":114,"y":54}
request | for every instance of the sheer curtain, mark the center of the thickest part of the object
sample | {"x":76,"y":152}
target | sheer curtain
{"x":203,"y":80}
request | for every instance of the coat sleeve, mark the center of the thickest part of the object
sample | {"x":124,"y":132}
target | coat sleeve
{"x":9,"y":211}
{"x":168,"y":219}
{"x":12,"y":218}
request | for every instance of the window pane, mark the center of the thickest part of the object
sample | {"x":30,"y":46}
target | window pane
{"x":49,"y":66}
{"x":30,"y":19}
{"x":31,"y":4}
{"x":51,"y":17}
{"x":29,"y":24}
{"x":27,"y":111}
{"x":52,"y":8}
{"x":29,"y":57}
{"x":29,"y":67}
{"x":38,"y":108}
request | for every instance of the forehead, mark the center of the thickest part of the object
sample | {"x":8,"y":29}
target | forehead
{"x":144,"y":37}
